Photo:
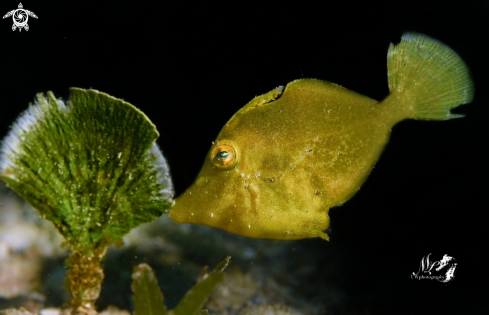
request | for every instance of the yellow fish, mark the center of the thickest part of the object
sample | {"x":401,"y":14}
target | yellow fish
{"x":288,"y":156}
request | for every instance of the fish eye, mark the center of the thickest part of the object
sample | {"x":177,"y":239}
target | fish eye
{"x":224,"y":154}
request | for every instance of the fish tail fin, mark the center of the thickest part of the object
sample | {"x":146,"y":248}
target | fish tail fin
{"x":429,"y":77}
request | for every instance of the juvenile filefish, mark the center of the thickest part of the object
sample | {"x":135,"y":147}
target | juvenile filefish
{"x":288,"y":156}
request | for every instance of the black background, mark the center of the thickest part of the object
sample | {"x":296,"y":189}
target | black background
{"x":190,"y":65}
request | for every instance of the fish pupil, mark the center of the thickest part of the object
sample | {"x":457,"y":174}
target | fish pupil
{"x":222,"y":154}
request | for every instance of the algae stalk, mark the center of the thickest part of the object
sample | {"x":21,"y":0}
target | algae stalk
{"x":84,"y":277}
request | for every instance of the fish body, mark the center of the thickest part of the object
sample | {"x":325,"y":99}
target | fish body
{"x":288,"y":156}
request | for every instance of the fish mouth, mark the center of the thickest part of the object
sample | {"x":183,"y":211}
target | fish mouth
{"x":180,"y":214}
{"x":202,"y":203}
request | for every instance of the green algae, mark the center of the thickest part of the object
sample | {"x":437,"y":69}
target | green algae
{"x":92,"y":168}
{"x":149,"y":300}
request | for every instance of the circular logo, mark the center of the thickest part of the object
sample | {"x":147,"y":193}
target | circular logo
{"x":20,"y":18}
